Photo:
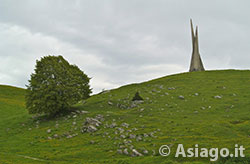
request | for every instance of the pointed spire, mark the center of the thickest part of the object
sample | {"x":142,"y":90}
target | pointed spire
{"x":192,"y":32}
{"x":196,"y":62}
{"x":196,"y":38}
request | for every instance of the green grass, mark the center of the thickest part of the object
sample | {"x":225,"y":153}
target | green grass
{"x":196,"y":119}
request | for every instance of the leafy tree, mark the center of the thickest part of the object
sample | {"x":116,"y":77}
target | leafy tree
{"x":55,"y":86}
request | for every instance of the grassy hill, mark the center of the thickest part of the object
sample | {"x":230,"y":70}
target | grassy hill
{"x":211,"y":109}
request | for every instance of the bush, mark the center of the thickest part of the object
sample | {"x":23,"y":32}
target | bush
{"x":55,"y":86}
{"x":137,"y":97}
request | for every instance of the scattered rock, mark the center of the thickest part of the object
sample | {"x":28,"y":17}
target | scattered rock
{"x":217,"y":97}
{"x":121,"y":130}
{"x":100,"y":117}
{"x":92,"y":121}
{"x":196,"y":94}
{"x":126,"y":125}
{"x":90,"y":125}
{"x":136,"y":153}
{"x":203,"y":108}
{"x":113,"y":125}
{"x":181,"y":97}
{"x":74,"y":135}
{"x":145,"y":151}
{"x":119,"y":151}
{"x":110,"y":103}
{"x":151,"y":134}
{"x":132,"y":136}
{"x":125,"y":151}
{"x":89,"y":129}
{"x":84,"y":112}
{"x":139,"y":138}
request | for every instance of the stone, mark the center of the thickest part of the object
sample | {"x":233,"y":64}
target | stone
{"x":84,"y":112}
{"x":100,"y":117}
{"x":126,"y":142}
{"x":110,"y":103}
{"x":134,"y":129}
{"x":136,"y":153}
{"x":119,"y":151}
{"x":125,"y":151}
{"x":145,"y":151}
{"x":196,"y":94}
{"x":181,"y":97}
{"x":113,"y":125}
{"x":217,"y":97}
{"x":151,"y":134}
{"x":49,"y":131}
{"x":74,"y":135}
{"x":92,"y":121}
{"x":142,"y":109}
{"x":132,"y":136}
{"x":55,"y":136}
{"x":89,"y":129}
{"x":126,"y":125}
{"x":139,"y":138}
{"x":203,"y":108}
{"x":121,"y":130}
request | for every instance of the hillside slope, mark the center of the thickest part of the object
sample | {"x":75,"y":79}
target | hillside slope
{"x":209,"y":108}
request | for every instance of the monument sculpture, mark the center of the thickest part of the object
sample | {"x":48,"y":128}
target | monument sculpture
{"x":196,"y":62}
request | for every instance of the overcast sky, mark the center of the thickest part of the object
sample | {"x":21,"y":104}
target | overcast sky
{"x":117,"y":42}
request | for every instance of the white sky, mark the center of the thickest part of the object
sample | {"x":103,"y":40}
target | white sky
{"x":117,"y":42}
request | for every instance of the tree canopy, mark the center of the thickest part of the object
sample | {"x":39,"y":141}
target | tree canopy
{"x":55,"y":85}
